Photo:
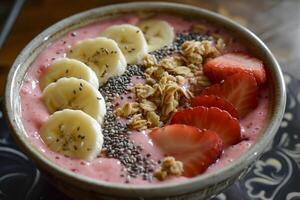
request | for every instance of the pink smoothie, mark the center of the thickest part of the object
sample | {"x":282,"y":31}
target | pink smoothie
{"x":34,"y":112}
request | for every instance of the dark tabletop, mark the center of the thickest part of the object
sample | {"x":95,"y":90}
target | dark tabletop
{"x":275,"y":176}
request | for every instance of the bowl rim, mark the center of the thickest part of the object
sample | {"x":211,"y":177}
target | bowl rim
{"x":196,"y":182}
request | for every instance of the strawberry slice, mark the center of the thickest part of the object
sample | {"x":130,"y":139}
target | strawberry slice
{"x":214,"y":119}
{"x":195,"y":148}
{"x":219,"y":68}
{"x":239,"y":89}
{"x":215,"y":101}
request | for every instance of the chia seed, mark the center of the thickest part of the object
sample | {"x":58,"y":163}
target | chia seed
{"x":116,"y":137}
{"x":179,"y":40}
{"x":116,"y":140}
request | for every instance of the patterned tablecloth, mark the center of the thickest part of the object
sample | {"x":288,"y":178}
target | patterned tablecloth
{"x":275,"y":176}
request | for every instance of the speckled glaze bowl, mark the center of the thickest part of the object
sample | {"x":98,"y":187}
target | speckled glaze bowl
{"x":201,"y":187}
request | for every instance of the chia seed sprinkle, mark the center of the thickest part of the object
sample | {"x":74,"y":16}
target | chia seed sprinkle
{"x":116,"y":140}
{"x":116,"y":137}
{"x":179,"y":40}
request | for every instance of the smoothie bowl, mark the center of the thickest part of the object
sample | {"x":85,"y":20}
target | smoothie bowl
{"x":145,"y":101}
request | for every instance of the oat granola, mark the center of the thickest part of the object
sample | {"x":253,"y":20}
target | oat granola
{"x":165,"y":87}
{"x":196,"y":51}
{"x":169,"y":166}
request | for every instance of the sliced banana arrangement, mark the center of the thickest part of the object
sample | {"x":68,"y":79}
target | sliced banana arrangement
{"x":102,"y":55}
{"x":77,"y":94}
{"x":66,"y":67}
{"x":70,"y":85}
{"x":73,"y":133}
{"x":158,"y":33}
{"x":131,"y":41}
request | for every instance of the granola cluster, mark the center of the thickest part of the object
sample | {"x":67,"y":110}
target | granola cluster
{"x":219,"y":42}
{"x":196,"y":51}
{"x":169,"y":166}
{"x":169,"y":83}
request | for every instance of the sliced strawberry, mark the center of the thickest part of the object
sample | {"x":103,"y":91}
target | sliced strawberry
{"x":214,"y":119}
{"x":239,"y":89}
{"x":195,"y":148}
{"x":219,"y":68}
{"x":215,"y":101}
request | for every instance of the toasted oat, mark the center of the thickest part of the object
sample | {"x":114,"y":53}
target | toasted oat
{"x":220,"y":44}
{"x":153,"y":119}
{"x":201,"y":79}
{"x":137,"y":122}
{"x":173,"y":166}
{"x":169,"y":166}
{"x":149,"y":80}
{"x":149,"y":61}
{"x":150,"y":71}
{"x":169,"y":100}
{"x":128,"y":109}
{"x":175,"y":65}
{"x":158,"y":89}
{"x":166,"y":78}
{"x":168,"y":109}
{"x":159,"y":73}
{"x":155,"y":72}
{"x":165,"y":87}
{"x":143,"y":90}
{"x":169,"y":92}
{"x":195,"y":68}
{"x":155,"y":99}
{"x":180,"y":80}
{"x":148,"y":105}
{"x":182,"y":70}
{"x":196,"y":51}
{"x":160,"y":174}
{"x":171,"y":62}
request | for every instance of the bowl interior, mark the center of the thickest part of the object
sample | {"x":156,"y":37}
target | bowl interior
{"x":255,"y":45}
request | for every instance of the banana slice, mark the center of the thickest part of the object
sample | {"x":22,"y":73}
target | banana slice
{"x":131,"y":41}
{"x":77,"y":94}
{"x":102,"y":55}
{"x":73,"y":133}
{"x":66,"y":67}
{"x":158,"y":33}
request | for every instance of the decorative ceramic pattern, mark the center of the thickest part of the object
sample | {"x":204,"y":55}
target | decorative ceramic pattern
{"x":275,"y":176}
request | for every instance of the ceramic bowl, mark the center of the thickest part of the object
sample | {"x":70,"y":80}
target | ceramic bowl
{"x":201,"y":187}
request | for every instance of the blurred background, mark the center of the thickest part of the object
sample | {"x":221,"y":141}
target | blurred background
{"x":276,"y":22}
